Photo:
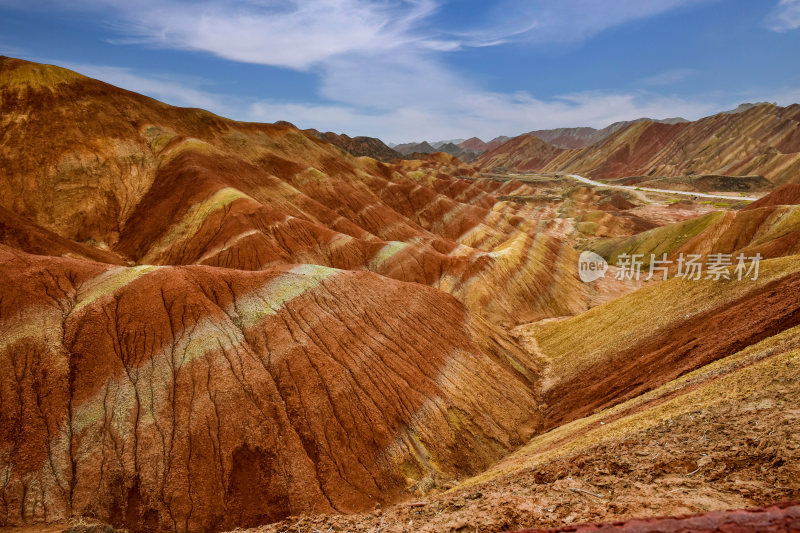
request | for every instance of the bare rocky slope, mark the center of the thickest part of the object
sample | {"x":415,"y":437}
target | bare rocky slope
{"x":571,"y":138}
{"x":197,"y":398}
{"x":227,"y":323}
{"x":154,"y":184}
{"x":209,"y":324}
{"x":762,"y":140}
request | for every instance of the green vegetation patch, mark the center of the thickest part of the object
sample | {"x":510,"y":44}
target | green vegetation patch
{"x":580,"y":342}
{"x":658,"y":241}
{"x":193,"y":220}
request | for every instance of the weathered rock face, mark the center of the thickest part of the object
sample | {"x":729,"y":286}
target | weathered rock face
{"x":202,"y":398}
{"x":200,"y":343}
{"x":762,"y":140}
{"x":196,"y":398}
{"x":19,"y":233}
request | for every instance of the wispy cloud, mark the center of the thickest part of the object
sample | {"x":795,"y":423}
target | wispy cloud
{"x":300,"y":33}
{"x":444,"y":107}
{"x":785,"y":16}
{"x":296,"y":34}
{"x":668,"y":77}
{"x":380,"y":64}
{"x":563,"y":21}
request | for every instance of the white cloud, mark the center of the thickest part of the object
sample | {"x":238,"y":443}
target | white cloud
{"x":444,"y":106}
{"x":379,"y":62}
{"x":299,"y":34}
{"x":11,"y":51}
{"x":411,"y":95}
{"x":486,"y":115}
{"x":785,"y":16}
{"x":295,"y":34}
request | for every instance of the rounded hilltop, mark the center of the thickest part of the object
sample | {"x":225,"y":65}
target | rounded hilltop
{"x":21,"y":73}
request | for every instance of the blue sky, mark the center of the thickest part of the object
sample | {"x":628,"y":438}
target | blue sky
{"x":409,"y":70}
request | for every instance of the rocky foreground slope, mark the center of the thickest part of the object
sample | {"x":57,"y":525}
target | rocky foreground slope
{"x":200,"y":398}
{"x":718,"y":437}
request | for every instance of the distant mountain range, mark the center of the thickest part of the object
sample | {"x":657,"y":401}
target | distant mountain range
{"x":625,"y":148}
{"x":467,"y":150}
{"x":581,"y":137}
{"x":358,"y":146}
{"x":754,"y":139}
{"x":569,"y":138}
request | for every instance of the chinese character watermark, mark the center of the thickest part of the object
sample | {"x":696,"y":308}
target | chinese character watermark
{"x":716,"y":267}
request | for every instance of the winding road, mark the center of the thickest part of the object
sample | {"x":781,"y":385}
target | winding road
{"x":664,"y":191}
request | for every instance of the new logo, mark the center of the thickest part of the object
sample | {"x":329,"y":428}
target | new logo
{"x":591,"y":267}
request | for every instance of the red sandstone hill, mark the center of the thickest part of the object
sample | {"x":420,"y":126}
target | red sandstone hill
{"x":207,"y":324}
{"x":156,"y":184}
{"x":581,"y":137}
{"x":280,"y":338}
{"x":474,"y":143}
{"x":524,"y":153}
{"x":789,"y":194}
{"x":477,"y":145}
{"x":762,"y":140}
{"x":202,"y":398}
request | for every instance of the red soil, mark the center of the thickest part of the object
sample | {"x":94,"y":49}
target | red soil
{"x":783,"y":517}
{"x":789,"y":194}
